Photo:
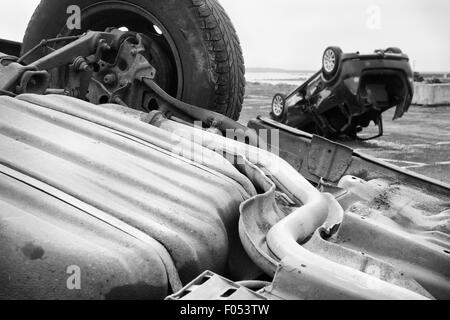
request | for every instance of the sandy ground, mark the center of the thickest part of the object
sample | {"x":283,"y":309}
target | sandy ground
{"x":420,"y":141}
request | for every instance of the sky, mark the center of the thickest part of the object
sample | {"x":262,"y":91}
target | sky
{"x":292,"y":34}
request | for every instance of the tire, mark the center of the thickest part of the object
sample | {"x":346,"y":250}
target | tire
{"x":279,"y":112}
{"x":336,"y":53}
{"x":201,"y":43}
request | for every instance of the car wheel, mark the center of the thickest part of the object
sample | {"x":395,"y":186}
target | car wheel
{"x":200,"y":51}
{"x":331,"y":62}
{"x":279,"y":108}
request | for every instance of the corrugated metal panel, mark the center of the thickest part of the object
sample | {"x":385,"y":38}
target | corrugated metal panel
{"x":121,"y":170}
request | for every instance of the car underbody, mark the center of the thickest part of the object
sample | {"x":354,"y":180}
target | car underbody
{"x":112,"y":176}
{"x":355,"y":91}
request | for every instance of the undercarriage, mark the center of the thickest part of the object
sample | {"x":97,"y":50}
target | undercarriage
{"x":116,"y":183}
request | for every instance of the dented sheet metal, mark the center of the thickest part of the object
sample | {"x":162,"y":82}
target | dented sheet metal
{"x":410,"y":263}
{"x":338,"y":274}
{"x":122,"y":201}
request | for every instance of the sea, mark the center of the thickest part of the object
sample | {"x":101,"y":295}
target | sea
{"x":287,"y":77}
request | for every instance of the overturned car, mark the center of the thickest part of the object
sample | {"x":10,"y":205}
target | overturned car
{"x":348,"y":93}
{"x":109,"y":191}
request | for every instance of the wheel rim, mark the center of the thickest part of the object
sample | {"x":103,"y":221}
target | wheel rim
{"x":278,"y":106}
{"x":329,"y":61}
{"x":120,"y":14}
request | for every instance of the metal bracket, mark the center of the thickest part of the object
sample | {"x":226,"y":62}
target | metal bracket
{"x":210,"y":286}
{"x":328,"y":160}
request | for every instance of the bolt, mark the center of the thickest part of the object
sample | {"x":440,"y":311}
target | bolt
{"x":80,"y":64}
{"x":84,"y":66}
{"x":109,"y":78}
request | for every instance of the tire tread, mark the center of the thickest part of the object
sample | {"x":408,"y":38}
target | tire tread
{"x":226,"y":54}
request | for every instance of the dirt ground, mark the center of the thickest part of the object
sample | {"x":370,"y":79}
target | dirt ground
{"x":420,"y":141}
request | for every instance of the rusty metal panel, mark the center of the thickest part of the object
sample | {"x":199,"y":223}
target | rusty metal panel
{"x":296,"y":144}
{"x":328,"y":160}
{"x":375,"y":261}
{"x":401,"y":225}
{"x":81,"y":186}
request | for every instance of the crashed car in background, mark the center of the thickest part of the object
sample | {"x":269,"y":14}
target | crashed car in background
{"x":348,"y":93}
{"x":104,"y":176}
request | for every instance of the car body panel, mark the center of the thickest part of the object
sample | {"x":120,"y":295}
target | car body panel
{"x":109,"y":182}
